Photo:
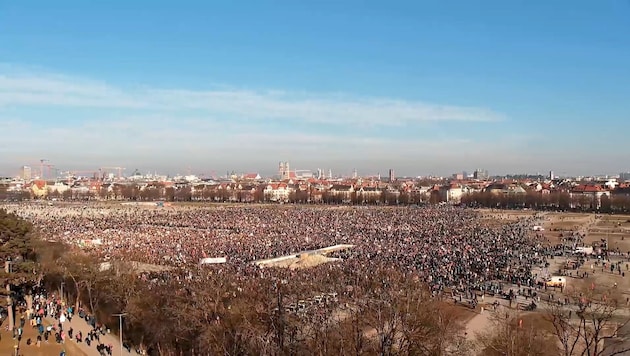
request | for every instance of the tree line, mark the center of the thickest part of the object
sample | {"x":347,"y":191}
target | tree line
{"x":557,"y":200}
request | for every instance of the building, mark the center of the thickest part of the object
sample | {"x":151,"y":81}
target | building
{"x":551,"y":175}
{"x":302,"y":174}
{"x":392,"y":175}
{"x":366,"y":194}
{"x":283,"y":170}
{"x":625,"y":176}
{"x":452,"y":193}
{"x":26,"y":173}
{"x":342,"y":192}
{"x":277,"y":192}
{"x":590,"y":194}
{"x":251,"y":176}
{"x":39,"y":188}
{"x":505,"y":188}
{"x":481,"y":174}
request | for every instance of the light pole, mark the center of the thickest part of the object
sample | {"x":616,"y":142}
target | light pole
{"x":120,"y":330}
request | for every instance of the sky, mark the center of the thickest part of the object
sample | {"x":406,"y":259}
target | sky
{"x":422,"y":87}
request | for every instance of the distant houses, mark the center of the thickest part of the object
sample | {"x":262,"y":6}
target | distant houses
{"x":252,"y":188}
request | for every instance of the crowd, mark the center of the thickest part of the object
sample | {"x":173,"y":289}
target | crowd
{"x":446,"y":246}
{"x":51,"y":317}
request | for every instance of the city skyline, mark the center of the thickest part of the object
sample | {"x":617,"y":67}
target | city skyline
{"x":425,"y":89}
{"x":48,"y":171}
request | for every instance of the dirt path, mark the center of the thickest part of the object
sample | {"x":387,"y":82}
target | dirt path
{"x":479,"y":324}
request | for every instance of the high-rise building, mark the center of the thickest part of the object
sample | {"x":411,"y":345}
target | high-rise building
{"x":551,"y":175}
{"x":392,"y":175}
{"x":481,"y":174}
{"x":26,"y":173}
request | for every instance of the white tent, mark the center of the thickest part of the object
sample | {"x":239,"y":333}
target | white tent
{"x":209,"y":261}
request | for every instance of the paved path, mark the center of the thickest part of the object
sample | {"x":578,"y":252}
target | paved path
{"x":79,"y":324}
{"x":50,"y":348}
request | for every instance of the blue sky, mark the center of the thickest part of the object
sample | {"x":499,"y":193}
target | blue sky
{"x":425,"y":87}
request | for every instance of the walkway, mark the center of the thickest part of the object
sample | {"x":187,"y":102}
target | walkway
{"x":79,"y":324}
{"x":50,"y":348}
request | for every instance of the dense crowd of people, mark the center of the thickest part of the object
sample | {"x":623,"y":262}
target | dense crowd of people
{"x":444,"y":245}
{"x":50,"y":317}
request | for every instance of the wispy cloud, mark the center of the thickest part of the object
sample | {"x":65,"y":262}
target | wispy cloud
{"x":83,"y":124}
{"x":23,"y":89}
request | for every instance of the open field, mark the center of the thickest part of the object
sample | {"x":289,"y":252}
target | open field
{"x":613,"y":228}
{"x":594,"y":228}
{"x":499,"y":217}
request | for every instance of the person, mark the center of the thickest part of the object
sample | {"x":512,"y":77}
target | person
{"x":62,"y":353}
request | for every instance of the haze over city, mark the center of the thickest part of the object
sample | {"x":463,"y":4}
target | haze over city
{"x":424,"y":88}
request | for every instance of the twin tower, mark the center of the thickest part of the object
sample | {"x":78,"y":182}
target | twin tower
{"x":284,"y":170}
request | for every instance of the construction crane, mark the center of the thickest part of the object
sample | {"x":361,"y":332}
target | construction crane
{"x":43,"y":165}
{"x":49,"y":168}
{"x":119,"y":169}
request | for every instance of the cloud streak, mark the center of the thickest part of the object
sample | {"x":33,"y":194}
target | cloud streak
{"x":84,"y":124}
{"x":27,"y":90}
{"x":171,"y":146}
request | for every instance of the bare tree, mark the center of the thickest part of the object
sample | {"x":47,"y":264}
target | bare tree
{"x":510,"y":335}
{"x":590,"y":324}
